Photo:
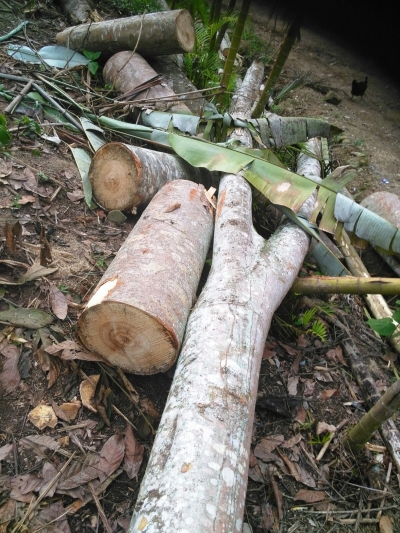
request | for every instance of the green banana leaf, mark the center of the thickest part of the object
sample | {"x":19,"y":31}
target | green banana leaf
{"x":290,"y":190}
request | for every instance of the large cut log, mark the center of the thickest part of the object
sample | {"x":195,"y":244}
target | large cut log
{"x":196,"y":477}
{"x":152,"y":34}
{"x":197,"y":473}
{"x":137,"y":314}
{"x":124,"y":177}
{"x":126,"y":71}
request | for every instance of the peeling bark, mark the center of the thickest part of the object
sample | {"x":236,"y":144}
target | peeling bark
{"x":152,"y":34}
{"x":124,"y":177}
{"x":137,"y":314}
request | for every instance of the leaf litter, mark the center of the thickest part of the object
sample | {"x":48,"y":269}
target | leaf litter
{"x":287,"y":432}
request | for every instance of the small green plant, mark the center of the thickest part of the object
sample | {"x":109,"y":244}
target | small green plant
{"x":319,"y":439}
{"x":5,"y":135}
{"x":63,"y":288}
{"x":314,"y":327}
{"x":388,"y":325}
{"x":28,"y":127}
{"x":15,"y":202}
{"x":359,"y":142}
{"x":303,"y":426}
{"x":93,"y":66}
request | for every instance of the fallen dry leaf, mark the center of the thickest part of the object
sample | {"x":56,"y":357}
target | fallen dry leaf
{"x":268,"y":444}
{"x":47,"y":514}
{"x":49,"y":472}
{"x":43,"y":416}
{"x":50,"y":365}
{"x":7,"y":513}
{"x":71,"y":409}
{"x":290,"y":350}
{"x":293,"y":381}
{"x":87,"y":391}
{"x":39,"y":443}
{"x":22,"y":487}
{"x":111,"y":456}
{"x":292,"y":441}
{"x":58,"y":302}
{"x":385,"y":525}
{"x":69,"y":350}
{"x":310,"y":496}
{"x":149,"y":407}
{"x":323,"y":426}
{"x":10,"y":376}
{"x":6,"y":452}
{"x":79,"y":473}
{"x":336,"y":355}
{"x":133,"y":453}
{"x":328,"y":393}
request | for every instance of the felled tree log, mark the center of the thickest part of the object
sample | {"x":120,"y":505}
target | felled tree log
{"x":346,"y":285}
{"x":197,"y":473}
{"x":153,"y":34}
{"x":124,"y":177}
{"x":137,"y":314}
{"x":126,"y":71}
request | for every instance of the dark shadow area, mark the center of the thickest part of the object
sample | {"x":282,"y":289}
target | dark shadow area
{"x":365,"y":29}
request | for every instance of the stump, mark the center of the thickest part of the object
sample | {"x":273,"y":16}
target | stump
{"x":124,"y":177}
{"x":137,"y":315}
{"x":153,"y":34}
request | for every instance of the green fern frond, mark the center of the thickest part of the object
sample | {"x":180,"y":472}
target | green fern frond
{"x":319,"y":329}
{"x":308,"y":316}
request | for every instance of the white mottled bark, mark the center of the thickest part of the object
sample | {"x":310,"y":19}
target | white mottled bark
{"x":152,"y":34}
{"x":137,"y":314}
{"x":196,"y":478}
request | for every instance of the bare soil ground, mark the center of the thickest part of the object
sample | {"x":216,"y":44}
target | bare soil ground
{"x":304,"y":382}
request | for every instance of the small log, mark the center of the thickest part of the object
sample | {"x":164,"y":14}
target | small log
{"x":124,"y":177}
{"x":137,"y":314}
{"x":152,"y":34}
{"x":346,"y":285}
{"x":127,"y":70}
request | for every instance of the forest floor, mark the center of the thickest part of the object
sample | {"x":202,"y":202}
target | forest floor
{"x":306,"y":384}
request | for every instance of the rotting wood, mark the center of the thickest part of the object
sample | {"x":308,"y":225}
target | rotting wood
{"x":127,"y":70}
{"x":152,"y":34}
{"x":137,"y":314}
{"x":124,"y":177}
{"x":199,"y":460}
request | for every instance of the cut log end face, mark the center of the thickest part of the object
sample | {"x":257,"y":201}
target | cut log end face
{"x":185,"y":31}
{"x":114,"y":174}
{"x":127,"y":337}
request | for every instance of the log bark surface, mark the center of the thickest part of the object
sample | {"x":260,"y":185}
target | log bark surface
{"x":197,"y":474}
{"x":124,"y":176}
{"x":126,"y":70}
{"x":196,"y":478}
{"x":137,"y":314}
{"x":153,"y":34}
